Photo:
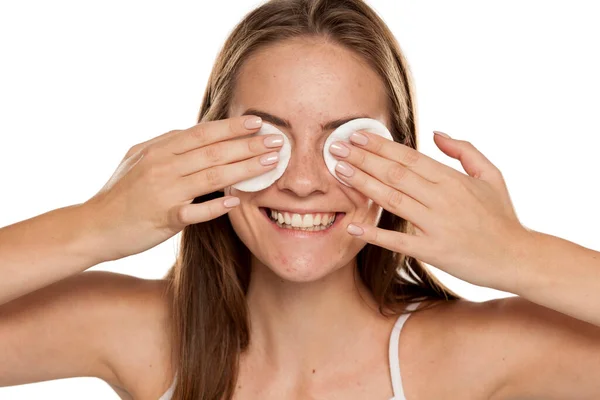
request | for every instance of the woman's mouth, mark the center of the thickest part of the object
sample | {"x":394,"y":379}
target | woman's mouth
{"x":302,"y":224}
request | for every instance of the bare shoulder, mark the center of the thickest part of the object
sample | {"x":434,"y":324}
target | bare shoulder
{"x":95,"y":323}
{"x":505,"y":345}
{"x":134,"y":332}
{"x":139,"y":339}
{"x":447,"y":342}
{"x":540,"y":352}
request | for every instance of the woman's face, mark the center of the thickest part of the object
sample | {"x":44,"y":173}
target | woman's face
{"x":308,"y":83}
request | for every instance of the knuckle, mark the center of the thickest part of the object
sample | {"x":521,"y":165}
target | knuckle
{"x":396,"y":173}
{"x":376,"y":235}
{"x":410,"y":157}
{"x":213,"y":176}
{"x":256,"y":145}
{"x":377,"y":146}
{"x":149,"y":152}
{"x":211,"y":154}
{"x":394,"y":198}
{"x":133,"y":149}
{"x":360,"y":159}
{"x":214,"y":210}
{"x":181,"y":216}
{"x":198,"y":133}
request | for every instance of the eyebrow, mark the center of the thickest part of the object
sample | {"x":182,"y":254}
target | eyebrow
{"x":284,"y":123}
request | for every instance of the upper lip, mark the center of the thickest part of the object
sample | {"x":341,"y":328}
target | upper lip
{"x":301,"y":210}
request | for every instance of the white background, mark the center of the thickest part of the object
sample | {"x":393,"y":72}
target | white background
{"x":81,"y":82}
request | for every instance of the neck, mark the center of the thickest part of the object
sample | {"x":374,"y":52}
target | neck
{"x":302,"y":326}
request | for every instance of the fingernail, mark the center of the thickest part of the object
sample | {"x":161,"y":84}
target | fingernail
{"x":359,"y":138}
{"x":442,"y":134}
{"x":344,"y":168}
{"x":354,"y":230}
{"x":231,"y":202}
{"x":273,"y":141}
{"x":339,"y":149}
{"x":252,"y":122}
{"x":270,"y":158}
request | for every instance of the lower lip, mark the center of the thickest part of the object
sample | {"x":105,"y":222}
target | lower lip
{"x":303,"y":234}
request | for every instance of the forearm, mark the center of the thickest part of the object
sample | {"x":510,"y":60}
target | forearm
{"x":560,"y":275}
{"x":45,"y":249}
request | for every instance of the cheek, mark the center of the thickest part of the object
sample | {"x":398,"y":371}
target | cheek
{"x":240,"y":223}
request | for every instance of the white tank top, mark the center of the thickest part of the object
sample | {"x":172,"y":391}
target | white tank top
{"x":393,"y":357}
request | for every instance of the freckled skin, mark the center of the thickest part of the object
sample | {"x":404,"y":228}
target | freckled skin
{"x":309,"y":83}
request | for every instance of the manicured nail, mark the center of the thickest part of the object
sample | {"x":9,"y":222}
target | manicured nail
{"x":269,"y":158}
{"x":344,"y":168}
{"x":442,"y":134}
{"x":359,"y":138}
{"x":339,"y":149}
{"x":354,"y":230}
{"x":231,"y":202}
{"x":252,"y":122}
{"x":273,"y":141}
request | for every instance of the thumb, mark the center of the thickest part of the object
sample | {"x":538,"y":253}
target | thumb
{"x":473,"y":161}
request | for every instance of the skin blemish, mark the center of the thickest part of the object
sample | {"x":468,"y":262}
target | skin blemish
{"x":313,"y":371}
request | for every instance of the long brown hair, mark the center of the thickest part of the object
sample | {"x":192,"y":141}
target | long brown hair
{"x":207,"y":284}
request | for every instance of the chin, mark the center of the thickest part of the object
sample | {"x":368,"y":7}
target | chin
{"x":302,"y":267}
{"x":299,"y":267}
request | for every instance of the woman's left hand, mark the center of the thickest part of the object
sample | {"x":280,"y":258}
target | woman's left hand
{"x":465,"y":225}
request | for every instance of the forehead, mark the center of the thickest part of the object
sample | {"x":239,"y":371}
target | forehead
{"x":308,"y":81}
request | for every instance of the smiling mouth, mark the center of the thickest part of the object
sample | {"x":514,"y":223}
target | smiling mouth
{"x":306,"y":223}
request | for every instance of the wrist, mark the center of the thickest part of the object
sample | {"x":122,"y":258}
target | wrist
{"x":524,"y":252}
{"x":93,"y":239}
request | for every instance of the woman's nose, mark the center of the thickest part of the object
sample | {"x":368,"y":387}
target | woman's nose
{"x":306,"y":172}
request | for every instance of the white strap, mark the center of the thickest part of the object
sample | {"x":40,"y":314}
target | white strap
{"x":394,"y":359}
{"x":169,"y":393}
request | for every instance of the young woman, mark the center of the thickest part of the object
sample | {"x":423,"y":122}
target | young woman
{"x":256,"y":310}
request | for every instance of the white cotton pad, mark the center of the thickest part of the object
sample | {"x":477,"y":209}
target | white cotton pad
{"x":343,"y":133}
{"x":265,"y":180}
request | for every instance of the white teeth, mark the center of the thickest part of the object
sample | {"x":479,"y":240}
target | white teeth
{"x":308,"y":222}
{"x":296,"y":220}
{"x":317,"y":220}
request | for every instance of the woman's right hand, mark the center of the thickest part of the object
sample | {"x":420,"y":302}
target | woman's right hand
{"x":148,"y":198}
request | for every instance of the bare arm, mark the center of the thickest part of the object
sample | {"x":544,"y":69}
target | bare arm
{"x":47,"y":248}
{"x":65,"y":329}
{"x":545,"y":354}
{"x":146,"y":201}
{"x":558,"y":274}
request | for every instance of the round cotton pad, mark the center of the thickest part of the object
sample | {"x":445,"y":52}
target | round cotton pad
{"x":265,"y":180}
{"x":343,"y":133}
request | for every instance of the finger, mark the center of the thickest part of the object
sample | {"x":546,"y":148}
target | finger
{"x":225,"y":153}
{"x":135,"y":149}
{"x":410,"y":158}
{"x":399,"y":242}
{"x":209,"y":132}
{"x":216,"y":178}
{"x":391,"y":173}
{"x":387,"y":197}
{"x":474,"y":162}
{"x":196,"y":213}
